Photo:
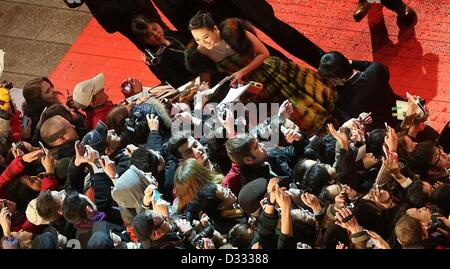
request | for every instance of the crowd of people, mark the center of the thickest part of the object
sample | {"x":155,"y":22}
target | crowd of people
{"x":345,"y":173}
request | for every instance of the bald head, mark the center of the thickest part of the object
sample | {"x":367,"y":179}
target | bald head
{"x":57,"y":130}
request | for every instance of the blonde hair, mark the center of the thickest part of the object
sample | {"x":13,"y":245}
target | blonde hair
{"x":190,"y":177}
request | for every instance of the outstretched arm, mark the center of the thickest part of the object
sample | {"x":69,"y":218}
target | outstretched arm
{"x":260,"y":55}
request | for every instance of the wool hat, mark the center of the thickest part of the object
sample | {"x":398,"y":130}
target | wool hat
{"x":85,"y":90}
{"x":143,"y":225}
{"x":251,"y":194}
{"x":33,"y":215}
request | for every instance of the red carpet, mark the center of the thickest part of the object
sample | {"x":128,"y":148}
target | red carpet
{"x":419,"y":60}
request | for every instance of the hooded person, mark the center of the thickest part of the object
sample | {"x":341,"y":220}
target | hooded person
{"x":49,"y":239}
{"x":128,"y":192}
{"x":107,"y":236}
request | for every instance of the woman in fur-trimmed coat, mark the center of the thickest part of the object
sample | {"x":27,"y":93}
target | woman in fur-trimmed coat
{"x":233,"y":48}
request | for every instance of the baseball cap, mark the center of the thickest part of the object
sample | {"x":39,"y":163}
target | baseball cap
{"x":143,"y":227}
{"x":96,"y":137}
{"x":85,"y":90}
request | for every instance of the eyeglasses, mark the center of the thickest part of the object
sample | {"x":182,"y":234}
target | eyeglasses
{"x":160,"y":224}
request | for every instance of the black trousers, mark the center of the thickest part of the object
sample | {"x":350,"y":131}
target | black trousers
{"x":395,"y":5}
{"x":258,"y":12}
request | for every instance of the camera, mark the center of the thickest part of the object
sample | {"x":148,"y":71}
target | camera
{"x":4,"y":204}
{"x":136,"y":128}
{"x":347,"y":202}
{"x":154,"y":58}
{"x":435,"y":223}
{"x":197,"y":240}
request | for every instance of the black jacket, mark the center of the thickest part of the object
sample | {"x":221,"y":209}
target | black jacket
{"x":171,"y":67}
{"x":368,"y":91}
{"x":279,"y":164}
{"x":117,"y":15}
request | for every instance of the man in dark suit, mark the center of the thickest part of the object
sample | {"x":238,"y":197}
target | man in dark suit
{"x":362,"y":87}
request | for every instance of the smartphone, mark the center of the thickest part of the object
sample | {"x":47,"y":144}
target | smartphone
{"x":14,"y":145}
{"x":25,"y":120}
{"x":387,"y":127}
{"x":42,"y":147}
{"x":420,"y":102}
{"x":156,"y":195}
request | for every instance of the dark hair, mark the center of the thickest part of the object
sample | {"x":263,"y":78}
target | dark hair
{"x":208,"y":201}
{"x":325,"y":197}
{"x":46,"y":206}
{"x":300,"y":168}
{"x":316,"y":177}
{"x":321,"y":148}
{"x":32,"y":91}
{"x":217,"y":154}
{"x":145,"y":160}
{"x":239,"y":147}
{"x":304,"y":227}
{"x":175,"y":143}
{"x":239,"y":236}
{"x":416,"y":196}
{"x":369,"y":215}
{"x":74,"y":208}
{"x":34,"y":104}
{"x":139,"y":26}
{"x":440,"y":198}
{"x":335,"y":65}
{"x":335,"y":234}
{"x":419,"y":161}
{"x":375,"y":141}
{"x":21,"y":194}
{"x":202,"y":19}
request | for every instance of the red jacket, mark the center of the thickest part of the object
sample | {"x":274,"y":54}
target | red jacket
{"x":96,"y":114}
{"x":233,"y":179}
{"x":16,"y":126}
{"x":20,"y":222}
{"x":14,"y":168}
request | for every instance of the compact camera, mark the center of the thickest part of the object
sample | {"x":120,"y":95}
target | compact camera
{"x":154,"y":58}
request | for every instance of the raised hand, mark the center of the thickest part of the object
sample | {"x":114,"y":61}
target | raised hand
{"x":108,"y":166}
{"x":292,"y":135}
{"x":345,"y":219}
{"x":228,"y":122}
{"x":391,"y":164}
{"x":236,"y":78}
{"x":153,"y":122}
{"x":32,"y":156}
{"x":340,"y":136}
{"x":49,"y":162}
{"x":378,"y":240}
{"x":391,"y":139}
{"x":311,"y":201}
{"x":286,"y":109}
